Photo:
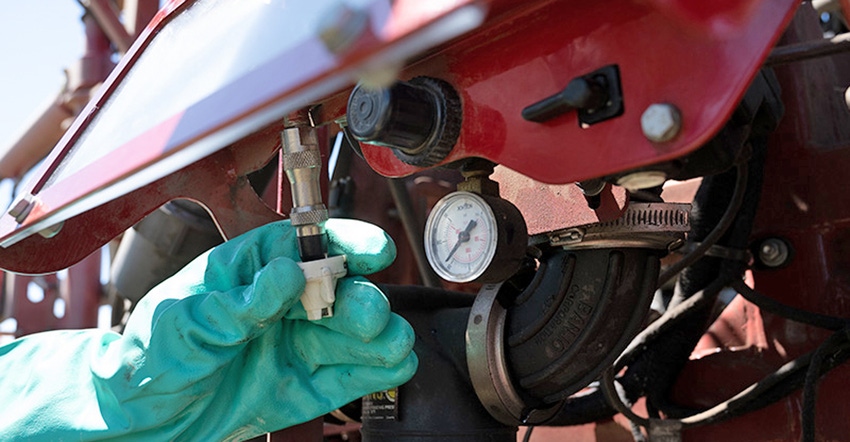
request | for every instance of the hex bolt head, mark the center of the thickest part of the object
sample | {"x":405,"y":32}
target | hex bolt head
{"x":774,"y":252}
{"x":661,"y":122}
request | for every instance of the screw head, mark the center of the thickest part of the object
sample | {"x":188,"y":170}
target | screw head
{"x":661,"y":122}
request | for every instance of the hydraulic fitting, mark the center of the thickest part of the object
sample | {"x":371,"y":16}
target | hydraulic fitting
{"x":302,"y":162}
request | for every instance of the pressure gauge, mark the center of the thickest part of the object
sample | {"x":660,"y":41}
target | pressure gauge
{"x":470,"y":237}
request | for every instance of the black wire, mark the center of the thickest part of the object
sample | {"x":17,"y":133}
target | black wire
{"x":740,"y":401}
{"x":804,"y":370}
{"x":528,"y":431}
{"x":813,"y":374}
{"x":772,"y":388}
{"x":719,"y":230}
{"x":673,"y":317}
{"x":777,"y":385}
{"x":795,"y":314}
{"x":613,"y":396}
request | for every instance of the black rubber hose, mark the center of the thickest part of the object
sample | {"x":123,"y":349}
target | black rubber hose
{"x":795,"y":314}
{"x":748,"y":188}
{"x":572,"y":321}
{"x":657,"y":355}
{"x":805,"y":371}
{"x":810,"y":385}
{"x":779,"y":384}
{"x":705,"y":227}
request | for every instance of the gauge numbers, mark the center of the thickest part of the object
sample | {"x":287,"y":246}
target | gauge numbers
{"x":461,"y":237}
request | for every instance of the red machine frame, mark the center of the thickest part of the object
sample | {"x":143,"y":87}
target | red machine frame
{"x":698,"y":56}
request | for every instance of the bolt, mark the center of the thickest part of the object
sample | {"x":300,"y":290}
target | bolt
{"x":342,"y":26}
{"x":661,"y":122}
{"x":774,"y":252}
{"x":21,"y":209}
{"x":644,"y":179}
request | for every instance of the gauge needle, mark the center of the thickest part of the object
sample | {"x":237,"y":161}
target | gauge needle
{"x":462,"y":237}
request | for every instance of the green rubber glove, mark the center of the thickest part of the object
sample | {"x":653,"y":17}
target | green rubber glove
{"x":220,"y":351}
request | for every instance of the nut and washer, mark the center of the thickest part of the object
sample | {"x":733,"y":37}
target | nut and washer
{"x":661,"y":122}
{"x":774,"y":252}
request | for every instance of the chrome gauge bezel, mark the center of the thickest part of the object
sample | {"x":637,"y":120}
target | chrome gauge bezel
{"x":440,"y":240}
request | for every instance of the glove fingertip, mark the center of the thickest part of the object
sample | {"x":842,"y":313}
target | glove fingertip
{"x":362,"y":309}
{"x":409,"y":366}
{"x":404,"y":371}
{"x":395,"y":342}
{"x":369,"y":249}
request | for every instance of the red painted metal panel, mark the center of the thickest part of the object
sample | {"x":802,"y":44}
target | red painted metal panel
{"x":803,"y":202}
{"x":530,"y":50}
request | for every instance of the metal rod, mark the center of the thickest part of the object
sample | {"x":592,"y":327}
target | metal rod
{"x":809,"y":50}
{"x":412,"y":230}
{"x":108,"y":17}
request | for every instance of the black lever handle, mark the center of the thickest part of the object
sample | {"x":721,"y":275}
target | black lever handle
{"x":581,"y":93}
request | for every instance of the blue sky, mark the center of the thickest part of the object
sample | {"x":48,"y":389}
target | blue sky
{"x":38,"y":39}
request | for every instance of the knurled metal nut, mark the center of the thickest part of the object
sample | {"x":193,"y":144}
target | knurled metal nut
{"x":309,"y":217}
{"x":302,"y":160}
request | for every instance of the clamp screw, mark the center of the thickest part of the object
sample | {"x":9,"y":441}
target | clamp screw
{"x":661,"y":122}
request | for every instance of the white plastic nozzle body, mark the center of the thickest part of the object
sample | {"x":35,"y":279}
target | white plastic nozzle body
{"x":321,"y":276}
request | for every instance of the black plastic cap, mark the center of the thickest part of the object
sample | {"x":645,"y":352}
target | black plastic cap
{"x":401,"y":117}
{"x":420,"y":120}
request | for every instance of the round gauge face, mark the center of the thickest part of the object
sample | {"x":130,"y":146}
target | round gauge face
{"x":461,"y":237}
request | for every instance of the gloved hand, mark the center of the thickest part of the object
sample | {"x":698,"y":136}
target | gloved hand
{"x":220,"y":351}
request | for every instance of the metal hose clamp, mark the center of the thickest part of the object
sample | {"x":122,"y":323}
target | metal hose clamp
{"x":485,"y":357}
